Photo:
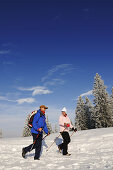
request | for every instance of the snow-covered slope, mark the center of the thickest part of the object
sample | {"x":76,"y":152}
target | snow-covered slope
{"x":91,"y":149}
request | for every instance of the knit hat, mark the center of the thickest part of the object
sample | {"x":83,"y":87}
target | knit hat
{"x":64,"y":109}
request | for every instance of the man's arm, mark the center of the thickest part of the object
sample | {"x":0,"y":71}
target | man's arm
{"x":35,"y":121}
{"x":45,"y":128}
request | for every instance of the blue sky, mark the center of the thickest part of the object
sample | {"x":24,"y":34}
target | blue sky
{"x":50,"y":52}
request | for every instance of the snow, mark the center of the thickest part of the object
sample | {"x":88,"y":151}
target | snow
{"x":90,"y":149}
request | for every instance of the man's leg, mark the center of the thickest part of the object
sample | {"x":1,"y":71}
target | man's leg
{"x":28,"y":148}
{"x":38,"y":145}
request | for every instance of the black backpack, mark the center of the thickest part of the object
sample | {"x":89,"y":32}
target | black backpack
{"x":30,"y":119}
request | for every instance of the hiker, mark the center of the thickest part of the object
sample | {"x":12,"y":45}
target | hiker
{"x":38,"y":125}
{"x":65,"y":124}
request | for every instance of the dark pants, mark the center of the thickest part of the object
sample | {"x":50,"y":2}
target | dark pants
{"x":66,"y":141}
{"x":37,"y":145}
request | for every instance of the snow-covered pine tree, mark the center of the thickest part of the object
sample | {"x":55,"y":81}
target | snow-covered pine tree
{"x":111,"y":102}
{"x":72,"y":125}
{"x":48,"y":125}
{"x":0,"y":133}
{"x":103,"y":112}
{"x":80,"y":121}
{"x":112,"y":98}
{"x":89,"y":111}
{"x":26,"y":130}
{"x":56,"y":128}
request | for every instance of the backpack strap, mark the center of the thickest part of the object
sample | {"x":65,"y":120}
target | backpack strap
{"x":31,"y":117}
{"x":33,"y":113}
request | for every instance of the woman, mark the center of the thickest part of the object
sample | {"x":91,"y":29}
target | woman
{"x":65,"y":124}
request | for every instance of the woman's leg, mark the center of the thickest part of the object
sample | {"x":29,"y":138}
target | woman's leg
{"x":66,"y":141}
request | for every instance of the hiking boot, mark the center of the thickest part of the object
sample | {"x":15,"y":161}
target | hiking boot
{"x":59,"y":149}
{"x":36,"y":158}
{"x":23,"y":153}
{"x":68,"y":154}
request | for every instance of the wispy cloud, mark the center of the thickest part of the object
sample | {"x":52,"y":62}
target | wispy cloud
{"x":19,"y":101}
{"x":7,"y":63}
{"x":7,"y":44}
{"x":86,"y":9}
{"x":4,"y":52}
{"x":59,"y":70}
{"x":56,"y":18}
{"x":37,"y":90}
{"x":3,"y":98}
{"x":89,"y":93}
{"x":54,"y":82}
{"x":25,"y":100}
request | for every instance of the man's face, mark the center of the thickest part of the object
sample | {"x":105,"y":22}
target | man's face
{"x":64,"y":113}
{"x":42,"y":109}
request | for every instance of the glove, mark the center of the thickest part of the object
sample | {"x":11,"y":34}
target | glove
{"x":48,"y":133}
{"x":74,"y":129}
{"x":39,"y":129}
{"x":66,"y":124}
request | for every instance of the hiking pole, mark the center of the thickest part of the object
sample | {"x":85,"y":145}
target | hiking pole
{"x":73,"y":133}
{"x":44,"y":137}
{"x":34,"y":142}
{"x":54,"y":141}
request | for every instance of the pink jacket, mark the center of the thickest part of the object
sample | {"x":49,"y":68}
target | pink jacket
{"x":62,"y":120}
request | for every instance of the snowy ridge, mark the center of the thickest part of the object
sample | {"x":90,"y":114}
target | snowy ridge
{"x":90,"y":149}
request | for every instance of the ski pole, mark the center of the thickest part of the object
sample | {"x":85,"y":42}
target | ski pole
{"x":34,"y":142}
{"x":54,"y":141}
{"x":73,"y":133}
{"x":44,"y":137}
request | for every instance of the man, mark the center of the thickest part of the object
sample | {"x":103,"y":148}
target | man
{"x":65,"y":124}
{"x":39,"y":124}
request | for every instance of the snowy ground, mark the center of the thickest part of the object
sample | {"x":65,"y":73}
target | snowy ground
{"x":92,"y":149}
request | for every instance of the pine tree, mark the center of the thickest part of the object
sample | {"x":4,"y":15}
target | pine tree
{"x":103,"y":113}
{"x":48,"y":125}
{"x":27,"y":130}
{"x":55,"y":129}
{"x":89,"y":111}
{"x":111,"y":102}
{"x":112,"y":99}
{"x":72,"y":125}
{"x":80,"y":121}
{"x":0,"y":133}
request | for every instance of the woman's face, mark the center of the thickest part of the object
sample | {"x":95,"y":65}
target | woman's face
{"x":64,"y":113}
